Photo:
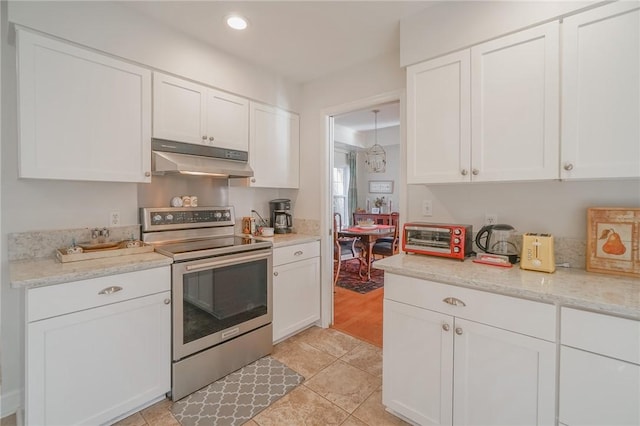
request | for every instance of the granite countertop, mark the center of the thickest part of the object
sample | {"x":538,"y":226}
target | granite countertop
{"x":40,"y":272}
{"x":284,"y":240}
{"x":566,"y":287}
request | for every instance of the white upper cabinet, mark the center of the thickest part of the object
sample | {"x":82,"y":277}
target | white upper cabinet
{"x":486,"y":114}
{"x":438,"y":123}
{"x":601,"y":93}
{"x":82,"y":115}
{"x":274,"y":147}
{"x":515,"y":106}
{"x":188,"y":112}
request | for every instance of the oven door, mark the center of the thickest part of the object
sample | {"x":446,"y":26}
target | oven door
{"x":216,"y":299}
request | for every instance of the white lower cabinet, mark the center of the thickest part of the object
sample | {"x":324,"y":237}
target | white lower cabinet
{"x":296,"y":288}
{"x":460,"y":366}
{"x":91,"y":366}
{"x":599,"y":369}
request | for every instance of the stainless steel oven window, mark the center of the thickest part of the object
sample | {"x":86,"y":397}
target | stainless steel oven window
{"x":216,"y":299}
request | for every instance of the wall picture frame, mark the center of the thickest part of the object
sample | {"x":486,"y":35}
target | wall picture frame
{"x":613,"y":238}
{"x":381,"y":186}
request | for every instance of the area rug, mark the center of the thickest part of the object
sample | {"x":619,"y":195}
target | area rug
{"x":350,"y":279}
{"x":238,"y":397}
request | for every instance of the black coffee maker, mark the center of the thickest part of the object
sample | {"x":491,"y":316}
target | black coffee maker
{"x":280,"y":212}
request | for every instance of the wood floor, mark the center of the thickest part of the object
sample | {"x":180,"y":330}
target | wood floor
{"x":359,"y":315}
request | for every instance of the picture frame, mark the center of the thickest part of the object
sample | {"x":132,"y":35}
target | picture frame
{"x":381,"y":186}
{"x":613,"y":238}
{"x":375,"y":210}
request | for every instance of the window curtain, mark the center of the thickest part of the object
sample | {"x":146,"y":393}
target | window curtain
{"x":352,"y":195}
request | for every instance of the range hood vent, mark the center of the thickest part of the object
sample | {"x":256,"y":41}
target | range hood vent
{"x":176,"y":157}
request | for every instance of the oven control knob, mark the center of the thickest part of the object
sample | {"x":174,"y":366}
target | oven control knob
{"x":457,"y":231}
{"x":227,"y":214}
{"x":456,"y":240}
{"x":217,"y":215}
{"x":157,"y":218}
{"x":169,"y":216}
{"x":456,"y":249}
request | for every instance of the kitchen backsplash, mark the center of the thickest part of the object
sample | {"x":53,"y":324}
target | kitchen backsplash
{"x":39,"y":244}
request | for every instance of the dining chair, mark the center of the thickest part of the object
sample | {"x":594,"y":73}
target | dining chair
{"x":388,"y":246}
{"x":345,"y":249}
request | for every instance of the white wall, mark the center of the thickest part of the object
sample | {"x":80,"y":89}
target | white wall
{"x":454,"y":25}
{"x":559,"y":208}
{"x":34,"y":204}
{"x":381,"y":75}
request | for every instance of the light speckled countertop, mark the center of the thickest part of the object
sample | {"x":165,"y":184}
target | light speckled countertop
{"x":567,"y":287}
{"x":48,"y":271}
{"x":283,"y":240}
{"x":39,"y":272}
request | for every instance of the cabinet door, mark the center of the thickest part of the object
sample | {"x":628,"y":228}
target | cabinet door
{"x":601,"y":92}
{"x":227,"y":120}
{"x":515,"y":109}
{"x":274,"y":145}
{"x":92,"y":366}
{"x":296,"y":296}
{"x":82,"y":115}
{"x":438,"y":122}
{"x":178,"y":110}
{"x":417,"y":363}
{"x":597,"y":390}
{"x":501,"y":377}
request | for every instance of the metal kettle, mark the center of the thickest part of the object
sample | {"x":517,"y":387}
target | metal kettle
{"x":499,"y":239}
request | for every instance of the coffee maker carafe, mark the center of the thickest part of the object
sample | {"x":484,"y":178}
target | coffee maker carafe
{"x":281,"y":219}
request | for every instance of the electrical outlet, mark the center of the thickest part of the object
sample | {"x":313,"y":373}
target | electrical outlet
{"x":490,"y":218}
{"x":114,"y":218}
{"x":427,"y":208}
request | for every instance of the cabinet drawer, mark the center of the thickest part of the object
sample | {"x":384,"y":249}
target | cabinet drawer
{"x":50,"y":301}
{"x":282,"y":255}
{"x":603,"y":334}
{"x":510,"y":313}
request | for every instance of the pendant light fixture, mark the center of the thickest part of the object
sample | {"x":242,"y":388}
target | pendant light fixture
{"x":376,"y":157}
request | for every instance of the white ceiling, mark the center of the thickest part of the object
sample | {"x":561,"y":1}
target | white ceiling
{"x":301,"y":40}
{"x":363,"y":120}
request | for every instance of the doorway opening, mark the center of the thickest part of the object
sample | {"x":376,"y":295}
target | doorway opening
{"x":359,"y":191}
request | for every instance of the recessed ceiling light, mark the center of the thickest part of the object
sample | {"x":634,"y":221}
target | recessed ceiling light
{"x":237,"y":22}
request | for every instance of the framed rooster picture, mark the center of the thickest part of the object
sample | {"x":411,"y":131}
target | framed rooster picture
{"x":613,"y":236}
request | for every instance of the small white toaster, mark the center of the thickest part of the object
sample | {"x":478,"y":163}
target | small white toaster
{"x":537,"y":252}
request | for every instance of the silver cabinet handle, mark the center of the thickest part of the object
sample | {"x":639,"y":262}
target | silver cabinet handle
{"x":147,"y":174}
{"x":253,"y":180}
{"x":110,"y":290}
{"x":167,"y":301}
{"x":204,"y":137}
{"x":475,"y":172}
{"x":464,"y":172}
{"x":445,"y":327}
{"x":568,"y":167}
{"x":211,"y":138}
{"x":275,"y":274}
{"x":298,"y":253}
{"x":458,"y":331}
{"x":454,"y":301}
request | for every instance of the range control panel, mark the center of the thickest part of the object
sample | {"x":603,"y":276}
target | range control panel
{"x":163,"y":218}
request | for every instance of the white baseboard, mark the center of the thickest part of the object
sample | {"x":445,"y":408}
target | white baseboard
{"x":10,"y":403}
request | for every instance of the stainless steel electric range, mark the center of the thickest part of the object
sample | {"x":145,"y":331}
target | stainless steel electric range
{"x":221,"y":288}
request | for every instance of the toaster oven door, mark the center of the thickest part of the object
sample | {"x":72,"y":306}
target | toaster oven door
{"x":434,"y":240}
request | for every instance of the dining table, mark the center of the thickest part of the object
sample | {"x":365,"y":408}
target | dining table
{"x":368,"y":234}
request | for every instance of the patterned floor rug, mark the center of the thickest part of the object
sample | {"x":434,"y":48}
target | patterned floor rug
{"x":350,"y":279}
{"x":236,"y":398}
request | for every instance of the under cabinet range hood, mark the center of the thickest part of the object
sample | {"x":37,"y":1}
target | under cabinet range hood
{"x":185,"y":158}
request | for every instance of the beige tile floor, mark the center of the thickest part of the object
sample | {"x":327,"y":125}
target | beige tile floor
{"x":343,"y":386}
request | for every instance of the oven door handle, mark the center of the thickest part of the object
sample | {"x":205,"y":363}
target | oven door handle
{"x":219,"y":263}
